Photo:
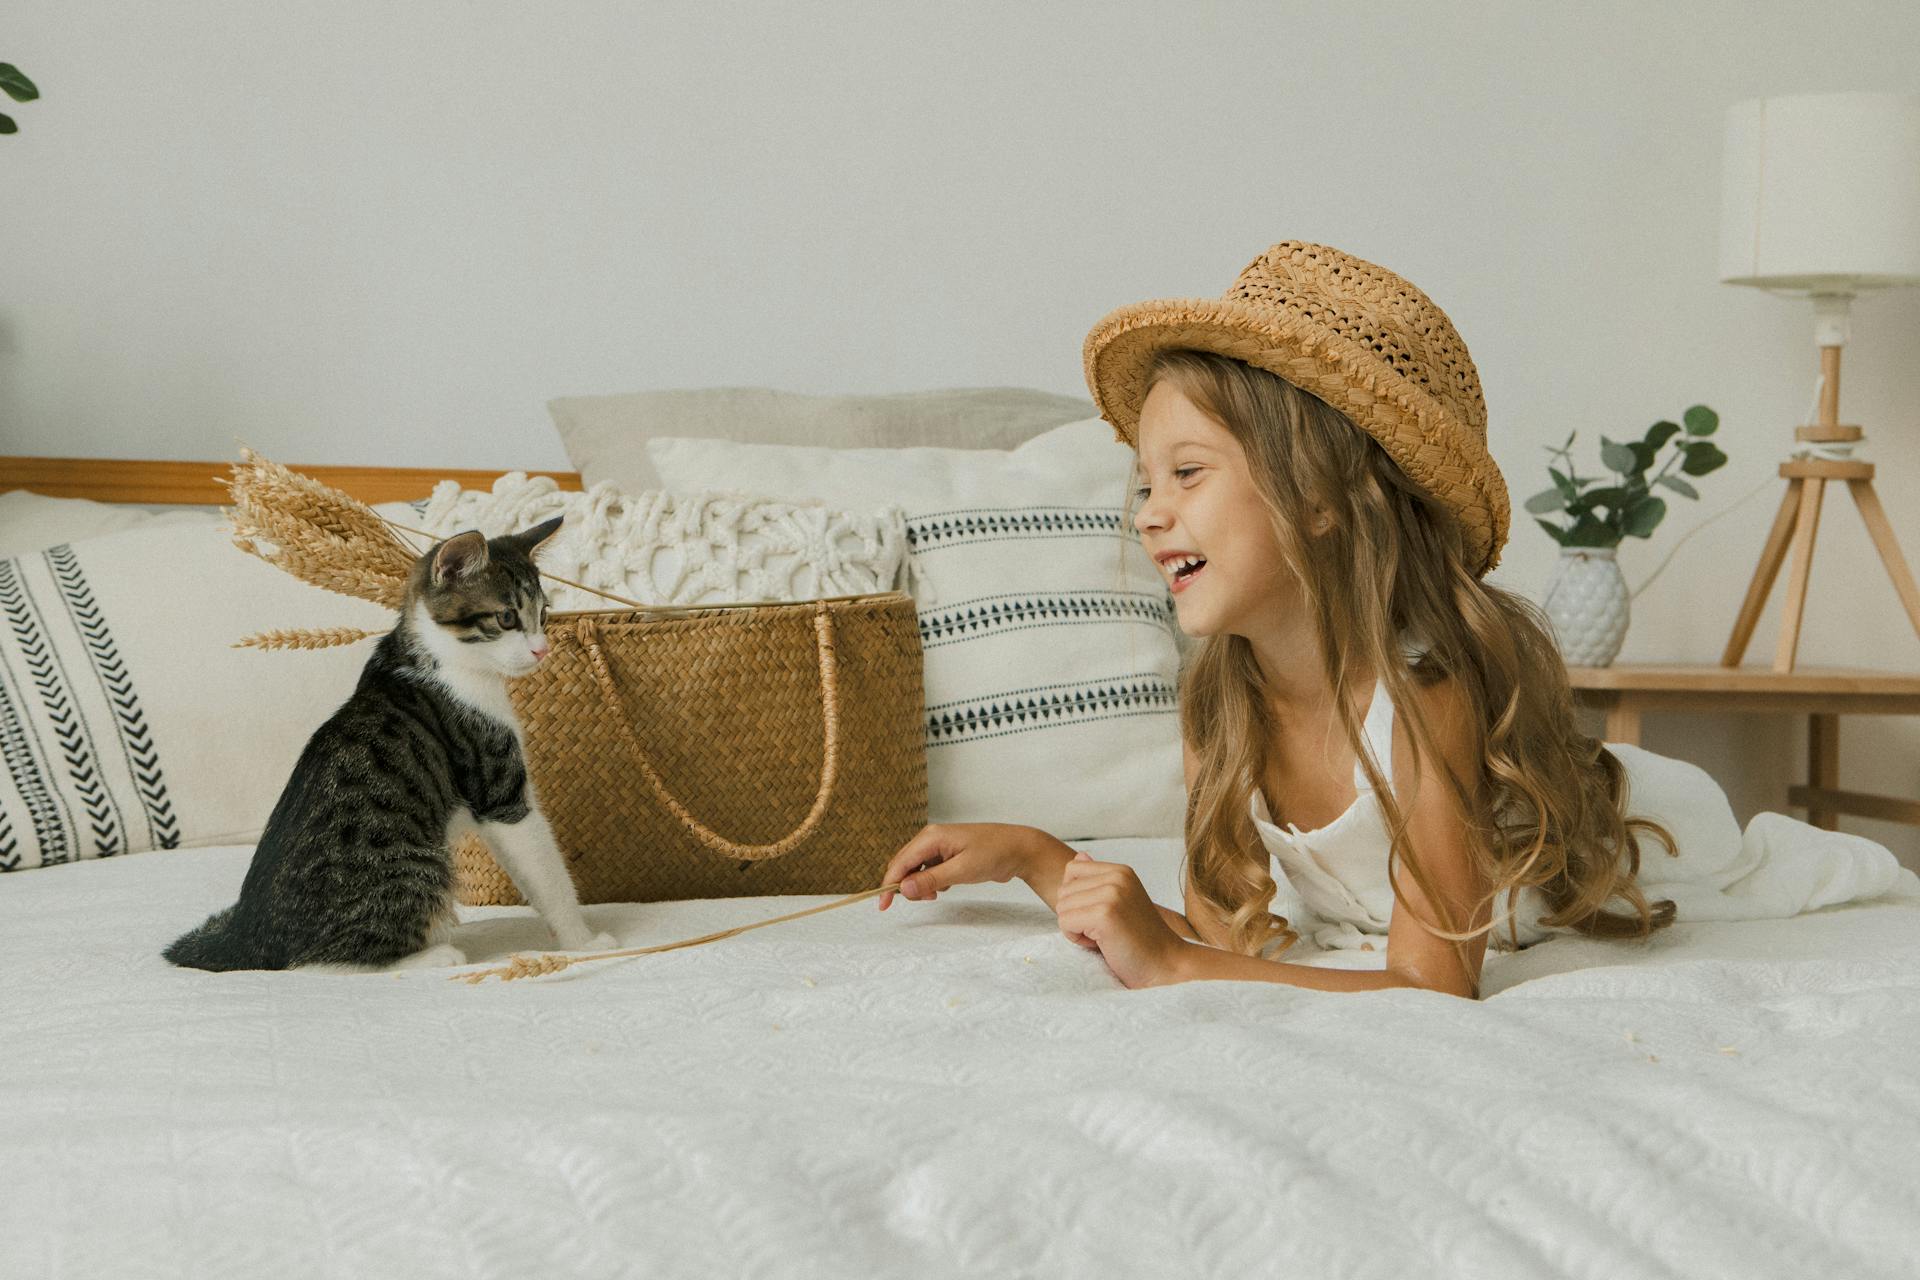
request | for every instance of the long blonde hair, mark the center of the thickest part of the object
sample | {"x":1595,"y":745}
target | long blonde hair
{"x":1547,"y":810}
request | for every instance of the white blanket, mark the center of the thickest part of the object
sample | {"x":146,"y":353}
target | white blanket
{"x":946,"y":1088}
{"x":1778,"y":867}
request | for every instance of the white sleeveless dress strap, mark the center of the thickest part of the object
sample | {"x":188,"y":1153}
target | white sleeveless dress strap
{"x":1378,"y":731}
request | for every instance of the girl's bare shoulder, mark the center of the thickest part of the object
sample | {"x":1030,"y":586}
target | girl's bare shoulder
{"x":1450,"y":717}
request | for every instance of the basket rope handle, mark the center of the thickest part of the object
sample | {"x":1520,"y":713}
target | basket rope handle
{"x":830,"y":746}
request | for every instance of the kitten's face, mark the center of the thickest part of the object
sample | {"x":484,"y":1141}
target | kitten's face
{"x":484,"y":600}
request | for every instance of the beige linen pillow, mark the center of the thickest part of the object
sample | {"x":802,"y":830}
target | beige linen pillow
{"x":605,"y":436}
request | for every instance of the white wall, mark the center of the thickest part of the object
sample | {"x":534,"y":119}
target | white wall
{"x":363,"y":232}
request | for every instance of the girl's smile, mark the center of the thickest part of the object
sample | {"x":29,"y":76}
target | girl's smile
{"x":1202,"y":520}
{"x":1181,"y":568}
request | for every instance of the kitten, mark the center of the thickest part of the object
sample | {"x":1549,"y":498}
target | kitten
{"x":354,"y":867}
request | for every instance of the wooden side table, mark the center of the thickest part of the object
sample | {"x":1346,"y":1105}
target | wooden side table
{"x":1822,"y":694}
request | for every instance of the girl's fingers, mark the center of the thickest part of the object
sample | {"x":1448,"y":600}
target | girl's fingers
{"x":1068,"y":921}
{"x":923,"y":850}
{"x":1085,"y":873}
{"x":923,"y":880}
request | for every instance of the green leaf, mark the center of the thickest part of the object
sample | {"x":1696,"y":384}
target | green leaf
{"x":1661,"y":432}
{"x":1678,"y":485}
{"x":1546,"y":500}
{"x":17,"y":86}
{"x":1612,"y":496}
{"x":7,"y":125}
{"x":1644,"y":517}
{"x":1702,"y":458}
{"x":1619,"y":457}
{"x":1553,"y":531}
{"x":1700,"y":420}
{"x":1590,"y":531}
{"x":1564,"y":485}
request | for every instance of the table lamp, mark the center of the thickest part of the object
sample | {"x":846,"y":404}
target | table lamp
{"x":1820,"y":197}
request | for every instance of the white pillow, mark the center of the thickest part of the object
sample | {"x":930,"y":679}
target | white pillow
{"x":30,"y":521}
{"x":127,"y":720}
{"x":667,"y":548}
{"x":1047,"y":633}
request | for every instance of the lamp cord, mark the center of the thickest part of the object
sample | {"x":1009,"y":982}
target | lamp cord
{"x":1840,"y":452}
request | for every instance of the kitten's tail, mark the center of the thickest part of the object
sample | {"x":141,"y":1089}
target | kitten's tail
{"x":211,"y":945}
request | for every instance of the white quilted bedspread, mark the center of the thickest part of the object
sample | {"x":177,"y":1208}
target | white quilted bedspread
{"x":945,"y":1089}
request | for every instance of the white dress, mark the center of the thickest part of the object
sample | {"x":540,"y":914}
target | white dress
{"x":1333,"y":887}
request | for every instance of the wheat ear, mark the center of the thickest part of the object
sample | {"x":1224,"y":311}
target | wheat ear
{"x":316,"y":638}
{"x":315,"y":532}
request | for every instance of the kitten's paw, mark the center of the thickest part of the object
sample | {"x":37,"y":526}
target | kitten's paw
{"x":590,"y":942}
{"x":434,"y":957}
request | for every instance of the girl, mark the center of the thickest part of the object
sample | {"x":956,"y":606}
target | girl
{"x":1317,"y":490}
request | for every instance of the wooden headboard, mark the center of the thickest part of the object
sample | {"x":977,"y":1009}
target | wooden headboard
{"x":131,"y":480}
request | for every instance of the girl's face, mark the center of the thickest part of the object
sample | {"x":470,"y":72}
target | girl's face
{"x":1202,"y":521}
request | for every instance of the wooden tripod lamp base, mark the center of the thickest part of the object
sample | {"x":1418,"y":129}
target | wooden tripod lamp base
{"x":1799,"y":519}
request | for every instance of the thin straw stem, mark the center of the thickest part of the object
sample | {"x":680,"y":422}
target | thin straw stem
{"x":524,"y":965}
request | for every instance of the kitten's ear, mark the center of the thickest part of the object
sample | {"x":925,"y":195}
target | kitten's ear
{"x":460,"y":556}
{"x":529,"y":540}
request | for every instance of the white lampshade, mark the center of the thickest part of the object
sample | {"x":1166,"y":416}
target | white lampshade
{"x":1821,"y":192}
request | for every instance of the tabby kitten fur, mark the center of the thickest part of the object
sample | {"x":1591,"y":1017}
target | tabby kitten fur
{"x":354,"y":868}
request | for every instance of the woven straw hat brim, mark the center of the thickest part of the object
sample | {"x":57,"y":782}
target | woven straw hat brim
{"x":1439,"y":452}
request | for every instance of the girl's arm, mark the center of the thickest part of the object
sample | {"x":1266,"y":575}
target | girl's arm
{"x":1201,"y":961}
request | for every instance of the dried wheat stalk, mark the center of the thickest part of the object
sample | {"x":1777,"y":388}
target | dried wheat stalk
{"x":315,"y":532}
{"x":317,"y":638}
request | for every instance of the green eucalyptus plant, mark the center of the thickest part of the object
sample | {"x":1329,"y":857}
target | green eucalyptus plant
{"x":1600,"y":514}
{"x":17,"y":87}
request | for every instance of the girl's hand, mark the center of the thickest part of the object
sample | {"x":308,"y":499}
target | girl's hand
{"x":946,"y":854}
{"x":1103,"y":905}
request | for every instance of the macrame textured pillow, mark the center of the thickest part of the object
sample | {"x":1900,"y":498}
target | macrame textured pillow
{"x":683,"y":548}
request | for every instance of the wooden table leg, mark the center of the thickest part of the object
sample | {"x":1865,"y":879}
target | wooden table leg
{"x":1823,"y":765}
{"x":1623,"y":721}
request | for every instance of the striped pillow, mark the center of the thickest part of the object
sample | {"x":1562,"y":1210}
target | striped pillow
{"x":127,"y":720}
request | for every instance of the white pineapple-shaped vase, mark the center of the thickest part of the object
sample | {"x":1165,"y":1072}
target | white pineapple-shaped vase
{"x":1587,"y":601}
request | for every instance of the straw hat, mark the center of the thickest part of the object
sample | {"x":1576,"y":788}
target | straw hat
{"x":1352,"y":333}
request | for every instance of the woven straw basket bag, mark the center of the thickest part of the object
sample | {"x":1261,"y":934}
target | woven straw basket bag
{"x":722,"y":751}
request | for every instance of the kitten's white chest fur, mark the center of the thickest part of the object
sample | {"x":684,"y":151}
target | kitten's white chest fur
{"x":525,"y":849}
{"x":478,"y":688}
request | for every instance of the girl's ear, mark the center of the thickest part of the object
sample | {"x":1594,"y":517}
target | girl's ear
{"x":460,"y":556}
{"x":528,"y":540}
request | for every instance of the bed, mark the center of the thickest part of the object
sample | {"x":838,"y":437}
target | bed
{"x":948,"y":1088}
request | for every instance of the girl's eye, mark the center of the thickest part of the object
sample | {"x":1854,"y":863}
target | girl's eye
{"x":1180,"y":473}
{"x":509,"y":619}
